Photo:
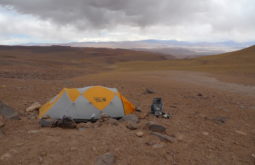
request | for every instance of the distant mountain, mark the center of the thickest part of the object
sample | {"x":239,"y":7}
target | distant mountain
{"x":161,"y":43}
{"x":180,"y":49}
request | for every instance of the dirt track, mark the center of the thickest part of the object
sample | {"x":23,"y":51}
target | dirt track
{"x":212,"y":121}
{"x":205,"y":80}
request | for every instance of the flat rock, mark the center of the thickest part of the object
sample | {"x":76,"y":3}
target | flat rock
{"x":164,"y":137}
{"x":241,"y":133}
{"x":34,"y":107}
{"x":156,"y":127}
{"x":8,"y":112}
{"x":131,"y":117}
{"x":106,"y":159}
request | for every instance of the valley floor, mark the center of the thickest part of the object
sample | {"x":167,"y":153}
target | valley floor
{"x":213,"y":121}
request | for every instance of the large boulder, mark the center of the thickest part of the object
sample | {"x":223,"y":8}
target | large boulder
{"x":8,"y":112}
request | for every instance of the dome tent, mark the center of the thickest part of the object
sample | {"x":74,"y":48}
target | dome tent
{"x":87,"y":103}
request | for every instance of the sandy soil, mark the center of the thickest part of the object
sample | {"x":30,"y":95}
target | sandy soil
{"x":196,"y":101}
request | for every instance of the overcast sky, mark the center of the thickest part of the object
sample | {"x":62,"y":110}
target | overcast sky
{"x":35,"y":21}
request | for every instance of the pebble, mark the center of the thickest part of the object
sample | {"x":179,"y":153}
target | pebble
{"x":81,"y":129}
{"x":40,"y":159}
{"x":104,"y":117}
{"x":220,"y":119}
{"x":241,"y":133}
{"x":13,"y":151}
{"x":85,"y":125}
{"x":19,"y":144}
{"x":205,"y":133}
{"x":43,"y":154}
{"x":106,"y":159}
{"x":131,"y":125}
{"x":253,"y":155}
{"x":33,"y":131}
{"x":149,"y":91}
{"x":73,"y":149}
{"x":94,"y":148}
{"x":34,"y":107}
{"x":242,"y":107}
{"x":139,"y":134}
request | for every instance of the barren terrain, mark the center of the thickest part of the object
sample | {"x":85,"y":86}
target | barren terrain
{"x":212,"y":109}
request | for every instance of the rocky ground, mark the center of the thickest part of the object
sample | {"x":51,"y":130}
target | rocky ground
{"x":210,"y":124}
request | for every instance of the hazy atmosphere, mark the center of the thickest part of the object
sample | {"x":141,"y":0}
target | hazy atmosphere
{"x":37,"y":21}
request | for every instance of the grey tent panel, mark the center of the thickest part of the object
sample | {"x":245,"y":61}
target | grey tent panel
{"x":115,"y":109}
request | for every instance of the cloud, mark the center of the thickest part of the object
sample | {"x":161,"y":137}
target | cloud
{"x":108,"y":13}
{"x":117,"y":19}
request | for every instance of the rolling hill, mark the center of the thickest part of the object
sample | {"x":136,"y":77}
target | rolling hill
{"x":233,"y":64}
{"x":50,"y":62}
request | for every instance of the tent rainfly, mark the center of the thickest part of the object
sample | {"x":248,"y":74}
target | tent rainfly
{"x":87,"y":103}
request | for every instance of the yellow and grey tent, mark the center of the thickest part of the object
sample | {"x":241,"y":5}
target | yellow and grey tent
{"x":87,"y":103}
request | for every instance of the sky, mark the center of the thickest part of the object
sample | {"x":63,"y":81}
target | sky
{"x":62,"y":21}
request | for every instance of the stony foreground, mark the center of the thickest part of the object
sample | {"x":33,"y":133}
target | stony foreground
{"x":208,"y":125}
